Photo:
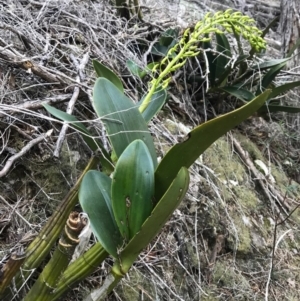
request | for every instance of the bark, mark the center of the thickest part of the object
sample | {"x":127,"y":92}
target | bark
{"x":290,"y":29}
{"x":290,"y":35}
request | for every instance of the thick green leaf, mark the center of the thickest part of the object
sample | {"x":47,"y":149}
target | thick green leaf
{"x":86,"y":135}
{"x":158,"y":99}
{"x":105,"y":72}
{"x":278,"y":108}
{"x":95,"y":199}
{"x":160,"y":50}
{"x":133,"y":188}
{"x":269,"y":77}
{"x":122,"y":119}
{"x":239,"y":93}
{"x":240,"y":59}
{"x":243,"y":66}
{"x":223,"y":58}
{"x":159,"y":216}
{"x":283,"y":88}
{"x":269,"y":64}
{"x":169,"y":37}
{"x":211,"y":58}
{"x":166,"y":41}
{"x":269,"y":26}
{"x":136,"y":70}
{"x":198,"y":140}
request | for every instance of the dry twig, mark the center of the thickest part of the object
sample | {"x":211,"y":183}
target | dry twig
{"x":72,"y":101}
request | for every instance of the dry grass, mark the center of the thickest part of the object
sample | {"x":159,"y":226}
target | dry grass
{"x":220,"y":243}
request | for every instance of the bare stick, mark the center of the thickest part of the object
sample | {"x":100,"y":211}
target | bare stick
{"x":32,"y":105}
{"x":22,"y":152}
{"x":48,"y":74}
{"x":72,"y":102}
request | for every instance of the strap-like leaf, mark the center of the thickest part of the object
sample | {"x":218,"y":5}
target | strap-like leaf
{"x":269,"y":77}
{"x":269,"y":64}
{"x":264,"y":33}
{"x":136,"y":70}
{"x":283,"y":88}
{"x":133,"y":188}
{"x":211,"y":58}
{"x":159,"y":216}
{"x":123,"y":121}
{"x":223,"y":49}
{"x":86,"y":135}
{"x":169,"y":37}
{"x":95,"y":200}
{"x":239,"y":93}
{"x":278,"y":108}
{"x":158,"y":99}
{"x":105,"y":72}
{"x":198,"y":140}
{"x":295,"y":46}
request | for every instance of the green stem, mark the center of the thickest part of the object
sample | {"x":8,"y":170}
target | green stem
{"x":160,"y":78}
{"x":59,"y":261}
{"x":46,"y":282}
{"x":79,"y":270}
{"x":43,"y":243}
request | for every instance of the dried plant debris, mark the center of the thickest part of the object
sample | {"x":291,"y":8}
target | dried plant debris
{"x":235,"y":235}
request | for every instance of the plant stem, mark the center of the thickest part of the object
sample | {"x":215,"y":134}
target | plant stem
{"x":79,"y":270}
{"x":43,"y":243}
{"x":50,"y":275}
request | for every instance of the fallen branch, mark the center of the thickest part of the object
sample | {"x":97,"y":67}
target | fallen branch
{"x":72,"y":102}
{"x":47,"y":74}
{"x":32,"y":105}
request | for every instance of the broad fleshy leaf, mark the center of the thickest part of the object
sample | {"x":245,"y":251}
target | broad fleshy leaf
{"x":133,"y":188}
{"x":86,"y":135}
{"x":121,"y":117}
{"x":198,"y":140}
{"x":105,"y":72}
{"x":95,"y":200}
{"x":159,"y":216}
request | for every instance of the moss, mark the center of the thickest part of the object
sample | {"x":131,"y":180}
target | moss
{"x":243,"y":248}
{"x":246,"y":197}
{"x":228,"y":276}
{"x":250,"y":147}
{"x":220,"y":158}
